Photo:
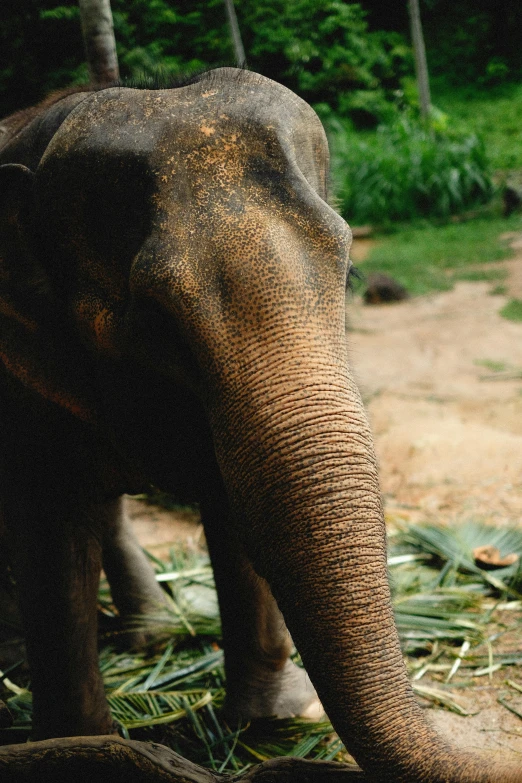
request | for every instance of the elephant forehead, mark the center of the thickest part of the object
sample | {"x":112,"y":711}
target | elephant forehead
{"x":216,"y":124}
{"x":127,"y":162}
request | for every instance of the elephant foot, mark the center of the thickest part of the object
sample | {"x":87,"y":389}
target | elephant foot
{"x":287,"y":693}
{"x":147,"y":633}
{"x":134,"y":640}
{"x":69,"y":720}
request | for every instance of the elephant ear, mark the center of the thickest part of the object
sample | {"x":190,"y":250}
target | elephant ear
{"x":34,"y":347}
{"x":16,"y":200}
{"x":22,"y":276}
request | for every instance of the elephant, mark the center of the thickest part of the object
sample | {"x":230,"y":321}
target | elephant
{"x":172,"y":297}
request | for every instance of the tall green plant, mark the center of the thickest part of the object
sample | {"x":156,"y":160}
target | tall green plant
{"x":405,"y":171}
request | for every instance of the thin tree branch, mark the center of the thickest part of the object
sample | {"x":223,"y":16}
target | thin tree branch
{"x":236,"y":34}
{"x":421,"y":64}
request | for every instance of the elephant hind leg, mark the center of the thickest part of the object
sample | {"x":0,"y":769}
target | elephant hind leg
{"x":134,"y":588}
{"x":262,"y":680}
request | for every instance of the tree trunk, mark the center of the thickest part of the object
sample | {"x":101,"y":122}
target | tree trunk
{"x":421,"y":65}
{"x":98,"y":38}
{"x":236,"y":34}
{"x":111,"y":759}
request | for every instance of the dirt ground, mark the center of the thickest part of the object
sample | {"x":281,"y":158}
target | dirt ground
{"x":442,"y":379}
{"x":448,"y":428}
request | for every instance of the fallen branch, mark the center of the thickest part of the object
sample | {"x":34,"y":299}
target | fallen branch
{"x":289,"y":770}
{"x":110,"y":759}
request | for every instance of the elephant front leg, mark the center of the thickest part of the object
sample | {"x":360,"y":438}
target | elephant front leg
{"x":261,"y":679}
{"x":57,"y":558}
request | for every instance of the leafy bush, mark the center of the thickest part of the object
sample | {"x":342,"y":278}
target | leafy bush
{"x":406,"y":170}
{"x":493,"y":114}
{"x":486,"y":35}
{"x":322,"y":50}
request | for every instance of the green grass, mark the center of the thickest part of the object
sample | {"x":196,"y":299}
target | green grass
{"x":493,"y":113}
{"x":480,"y":275}
{"x":428,"y":258}
{"x":498,"y":290}
{"x":491,"y":364}
{"x":512,"y":310}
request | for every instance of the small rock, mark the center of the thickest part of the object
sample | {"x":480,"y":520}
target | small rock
{"x":382,"y":288}
{"x":488,"y":557}
{"x":511,"y":198}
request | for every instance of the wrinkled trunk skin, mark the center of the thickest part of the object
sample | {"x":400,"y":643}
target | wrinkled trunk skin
{"x":295,"y":450}
{"x":317,"y":535}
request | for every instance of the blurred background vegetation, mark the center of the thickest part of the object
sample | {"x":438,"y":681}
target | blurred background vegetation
{"x":352,"y":61}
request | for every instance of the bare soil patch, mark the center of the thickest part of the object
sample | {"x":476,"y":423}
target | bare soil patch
{"x":439,"y":376}
{"x":158,"y":529}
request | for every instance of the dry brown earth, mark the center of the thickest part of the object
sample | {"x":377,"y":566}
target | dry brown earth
{"x":448,"y":428}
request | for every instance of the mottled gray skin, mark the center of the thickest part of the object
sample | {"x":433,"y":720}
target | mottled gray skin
{"x":172,"y":303}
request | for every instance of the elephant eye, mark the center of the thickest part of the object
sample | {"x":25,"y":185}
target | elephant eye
{"x":353,"y":275}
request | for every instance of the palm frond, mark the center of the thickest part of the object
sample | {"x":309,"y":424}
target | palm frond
{"x":448,"y":611}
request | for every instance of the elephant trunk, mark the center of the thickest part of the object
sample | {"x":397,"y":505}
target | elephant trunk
{"x":296,"y":453}
{"x":262,"y":308}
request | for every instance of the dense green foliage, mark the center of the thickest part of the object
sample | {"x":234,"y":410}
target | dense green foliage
{"x":477,"y":41}
{"x":494,"y":114}
{"x":319,"y":48}
{"x":352,"y":61}
{"x":324,"y":49}
{"x":406,"y":171}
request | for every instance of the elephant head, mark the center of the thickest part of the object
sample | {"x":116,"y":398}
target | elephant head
{"x":190,"y":229}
